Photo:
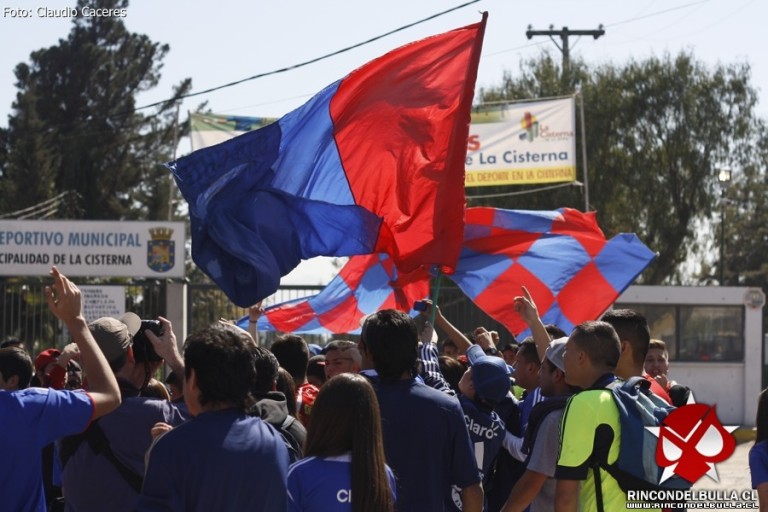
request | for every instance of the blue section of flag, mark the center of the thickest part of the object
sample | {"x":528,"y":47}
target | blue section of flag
{"x":558,"y":270}
{"x":263,"y":201}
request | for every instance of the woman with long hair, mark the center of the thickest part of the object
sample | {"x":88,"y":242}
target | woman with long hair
{"x":758,"y":454}
{"x":344,"y":468}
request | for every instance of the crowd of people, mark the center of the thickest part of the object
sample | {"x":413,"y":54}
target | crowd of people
{"x":384,"y":423}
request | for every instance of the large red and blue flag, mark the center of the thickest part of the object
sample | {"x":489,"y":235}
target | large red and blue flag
{"x":562,"y":257}
{"x":373,"y":163}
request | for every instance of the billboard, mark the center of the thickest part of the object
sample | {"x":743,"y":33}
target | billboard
{"x":521,"y":144}
{"x":92,"y":248}
{"x":210,"y":129}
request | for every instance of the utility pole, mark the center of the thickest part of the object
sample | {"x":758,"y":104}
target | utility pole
{"x":564,"y":34}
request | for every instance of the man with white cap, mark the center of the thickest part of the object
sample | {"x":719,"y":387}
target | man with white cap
{"x":103,"y":468}
{"x":542,"y":437}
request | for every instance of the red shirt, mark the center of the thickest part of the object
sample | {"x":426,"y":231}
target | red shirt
{"x":305,"y":399}
{"x":657,"y":390}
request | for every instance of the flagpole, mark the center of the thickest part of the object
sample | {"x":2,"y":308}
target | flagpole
{"x":580,"y":94}
{"x":435,"y":294}
{"x":171,"y":182}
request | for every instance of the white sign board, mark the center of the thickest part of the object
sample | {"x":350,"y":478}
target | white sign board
{"x":92,"y":248}
{"x":100,"y":301}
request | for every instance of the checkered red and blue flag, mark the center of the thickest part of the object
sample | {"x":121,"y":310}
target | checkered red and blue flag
{"x":372,"y":163}
{"x":365,"y":285}
{"x":562,"y":257}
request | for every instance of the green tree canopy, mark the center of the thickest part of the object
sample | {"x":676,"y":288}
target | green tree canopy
{"x":658,"y":131}
{"x":74,"y":126}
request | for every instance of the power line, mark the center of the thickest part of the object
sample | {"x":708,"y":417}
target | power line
{"x":43,"y":209}
{"x":565,"y":35}
{"x":311,"y":61}
{"x":657,"y":13}
{"x":628,"y":20}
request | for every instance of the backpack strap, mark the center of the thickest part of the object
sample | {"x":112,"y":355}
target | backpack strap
{"x":295,"y":450}
{"x":540,"y":411}
{"x":99,"y":443}
{"x":598,"y":489}
{"x":602,"y":442}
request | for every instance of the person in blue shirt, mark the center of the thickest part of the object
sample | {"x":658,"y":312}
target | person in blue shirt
{"x":758,"y":454}
{"x":425,"y":437}
{"x":34,"y":417}
{"x":223,"y":458}
{"x":344,"y":468}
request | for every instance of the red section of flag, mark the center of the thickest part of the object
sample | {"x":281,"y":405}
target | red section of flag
{"x":291,"y":316}
{"x":401,"y":124}
{"x":496,"y":299}
{"x":345,"y":317}
{"x":586,"y":296}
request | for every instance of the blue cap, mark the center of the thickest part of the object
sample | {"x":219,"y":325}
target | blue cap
{"x":314,"y":349}
{"x":490,"y":375}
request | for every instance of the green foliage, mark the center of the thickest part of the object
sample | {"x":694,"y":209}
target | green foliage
{"x":658,"y":130}
{"x":75,"y":127}
{"x":745,"y":204}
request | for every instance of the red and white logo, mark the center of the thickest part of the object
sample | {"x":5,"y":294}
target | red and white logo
{"x":691,"y":441}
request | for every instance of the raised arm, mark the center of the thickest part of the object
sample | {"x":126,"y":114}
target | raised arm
{"x":526,"y":308}
{"x":455,"y":335}
{"x":254,"y":313}
{"x":65,"y":303}
{"x":166,"y":346}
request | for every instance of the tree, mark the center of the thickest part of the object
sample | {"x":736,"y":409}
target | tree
{"x":658,"y":130}
{"x":75,"y":126}
{"x":745,"y":204}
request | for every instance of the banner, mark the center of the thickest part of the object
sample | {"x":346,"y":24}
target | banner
{"x":210,"y":129}
{"x":92,"y":248}
{"x":522,"y":143}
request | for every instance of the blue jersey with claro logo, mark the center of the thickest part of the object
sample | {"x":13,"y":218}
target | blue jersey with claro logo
{"x":486,"y":431}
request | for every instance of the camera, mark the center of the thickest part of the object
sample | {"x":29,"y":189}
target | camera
{"x":419,"y":305}
{"x":143,"y":350}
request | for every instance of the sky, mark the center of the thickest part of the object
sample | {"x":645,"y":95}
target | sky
{"x":215,"y":43}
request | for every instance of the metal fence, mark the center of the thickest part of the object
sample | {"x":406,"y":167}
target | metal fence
{"x":207,"y":304}
{"x":24,"y":313}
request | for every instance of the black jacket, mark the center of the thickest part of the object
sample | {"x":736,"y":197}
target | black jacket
{"x":273,"y":408}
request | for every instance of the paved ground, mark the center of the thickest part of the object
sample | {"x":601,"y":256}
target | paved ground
{"x":733,"y":473}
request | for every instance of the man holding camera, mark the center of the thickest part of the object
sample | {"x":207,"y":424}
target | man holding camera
{"x":103,"y":468}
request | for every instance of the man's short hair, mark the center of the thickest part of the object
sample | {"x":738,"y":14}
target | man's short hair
{"x":631,"y":326}
{"x":12,"y":342}
{"x":599,"y":341}
{"x":659,"y":345}
{"x":452,"y":370}
{"x":390,"y":336}
{"x":345,"y":347}
{"x":527,"y":350}
{"x":266,"y":370}
{"x":510,"y":346}
{"x":292,"y":353}
{"x":316,"y":367}
{"x":555,"y":332}
{"x":15,"y":361}
{"x":449,"y":343}
{"x":222,"y":359}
